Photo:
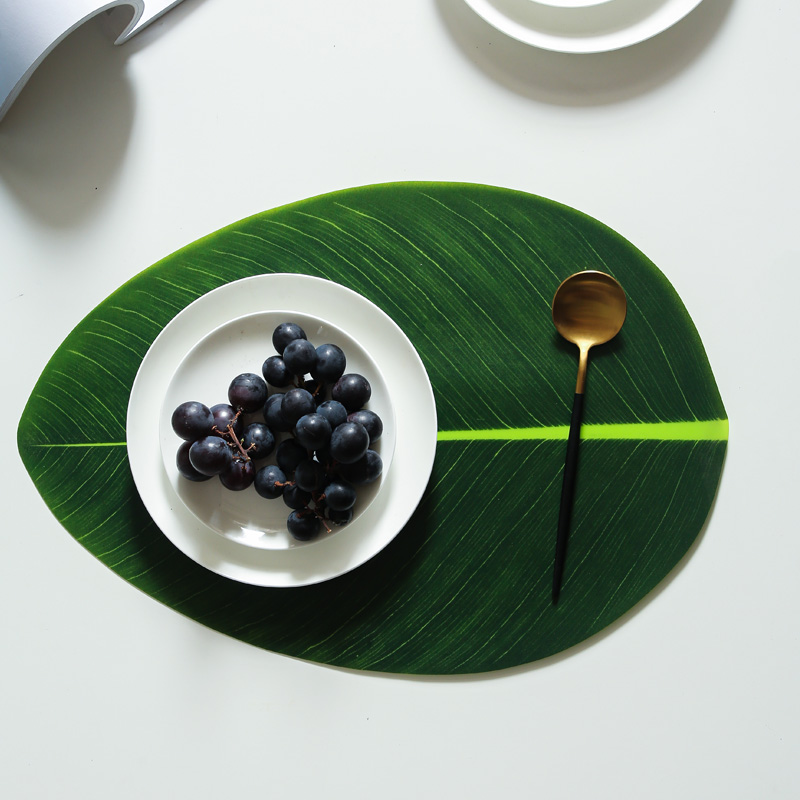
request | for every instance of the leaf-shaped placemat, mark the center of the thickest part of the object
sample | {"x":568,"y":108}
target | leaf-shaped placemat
{"x":468,"y":272}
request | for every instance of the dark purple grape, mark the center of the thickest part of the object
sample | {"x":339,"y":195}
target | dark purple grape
{"x":295,"y":404}
{"x":370,"y":420}
{"x":340,"y":517}
{"x":185,"y":466}
{"x":210,"y":455}
{"x":333,"y":411}
{"x":239,"y":475}
{"x":367,"y":469}
{"x":192,"y":421}
{"x":352,"y":391}
{"x":304,"y":525}
{"x":225,"y":415}
{"x":313,"y":431}
{"x":330,"y":364}
{"x":258,"y":434}
{"x":286,"y":332}
{"x":269,"y":482}
{"x":295,"y":497}
{"x":275,"y":372}
{"x":349,"y":442}
{"x":247,"y":391}
{"x":299,"y":356}
{"x":274,"y":415}
{"x":289,"y":454}
{"x":310,"y":476}
{"x":339,"y":496}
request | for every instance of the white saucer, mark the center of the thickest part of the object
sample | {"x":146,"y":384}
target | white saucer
{"x":415,"y":431}
{"x":571,"y":3}
{"x":582,"y":26}
{"x":242,"y":345}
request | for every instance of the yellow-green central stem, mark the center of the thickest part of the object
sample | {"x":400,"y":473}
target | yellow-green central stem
{"x":714,"y":430}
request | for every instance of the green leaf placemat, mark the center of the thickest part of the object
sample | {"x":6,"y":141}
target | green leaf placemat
{"x":468,"y":272}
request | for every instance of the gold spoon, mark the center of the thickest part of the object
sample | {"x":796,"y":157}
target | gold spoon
{"x":588,"y":309}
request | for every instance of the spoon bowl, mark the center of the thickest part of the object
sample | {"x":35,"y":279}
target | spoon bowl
{"x":589,"y":309}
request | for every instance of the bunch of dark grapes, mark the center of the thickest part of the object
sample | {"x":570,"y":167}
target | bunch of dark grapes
{"x":314,"y":420}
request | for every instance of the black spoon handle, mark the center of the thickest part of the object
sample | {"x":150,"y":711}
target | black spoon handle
{"x":567,"y":491}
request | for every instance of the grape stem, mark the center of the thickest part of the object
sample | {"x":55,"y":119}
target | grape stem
{"x":236,"y":440}
{"x":318,"y":498}
{"x":321,"y":517}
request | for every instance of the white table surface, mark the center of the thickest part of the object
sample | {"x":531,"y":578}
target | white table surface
{"x":687,"y":145}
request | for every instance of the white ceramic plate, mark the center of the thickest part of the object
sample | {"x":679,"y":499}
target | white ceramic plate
{"x":242,"y":345}
{"x":415,"y":431}
{"x":578,"y":26}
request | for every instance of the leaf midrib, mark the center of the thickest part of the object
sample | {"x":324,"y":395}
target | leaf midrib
{"x":715,"y":430}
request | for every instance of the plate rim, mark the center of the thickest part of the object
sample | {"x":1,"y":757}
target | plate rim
{"x":388,"y":513}
{"x":589,"y":44}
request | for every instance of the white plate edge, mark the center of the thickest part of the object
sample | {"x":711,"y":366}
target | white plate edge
{"x":141,"y":460}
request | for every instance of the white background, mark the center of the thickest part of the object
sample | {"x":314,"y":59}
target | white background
{"x":687,"y":145}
